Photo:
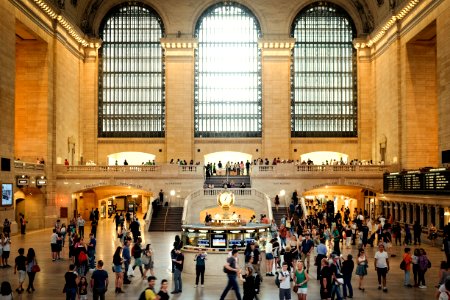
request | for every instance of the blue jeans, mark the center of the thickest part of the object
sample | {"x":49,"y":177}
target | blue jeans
{"x":348,"y":284}
{"x":91,"y":258}
{"x":71,"y":294}
{"x":407,"y":277}
{"x":177,"y":280}
{"x":283,"y":241}
{"x":336,"y":290}
{"x":232,"y":283}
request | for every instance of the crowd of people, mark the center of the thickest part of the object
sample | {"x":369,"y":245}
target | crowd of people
{"x":295,"y":239}
{"x":295,"y":246}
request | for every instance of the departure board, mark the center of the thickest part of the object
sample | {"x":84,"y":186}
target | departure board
{"x":412,"y":181}
{"x":435,"y":181}
{"x":438,"y":181}
{"x":393,"y":182}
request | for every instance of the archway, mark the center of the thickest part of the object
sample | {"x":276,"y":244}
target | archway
{"x":110,"y":199}
{"x":344,"y":197}
{"x":133,"y":158}
{"x":324,"y":157}
{"x":227,"y":156}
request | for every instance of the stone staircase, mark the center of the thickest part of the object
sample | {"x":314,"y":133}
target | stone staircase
{"x":167,"y":219}
{"x":277,"y":215}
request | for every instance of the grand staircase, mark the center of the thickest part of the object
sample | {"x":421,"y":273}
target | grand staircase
{"x":167,"y":219}
{"x":277,"y":215}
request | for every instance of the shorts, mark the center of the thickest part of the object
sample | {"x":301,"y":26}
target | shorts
{"x":22,"y":275}
{"x":269,"y":256}
{"x":302,"y":291}
{"x":5,"y":254}
{"x":149,"y":265}
{"x":54,"y":247}
{"x":83,"y":297}
{"x":118,"y":269}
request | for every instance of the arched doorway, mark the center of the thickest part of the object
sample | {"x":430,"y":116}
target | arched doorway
{"x":324,"y":157}
{"x":132,"y":158}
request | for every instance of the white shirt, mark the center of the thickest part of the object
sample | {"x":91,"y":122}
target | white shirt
{"x":269,"y":248}
{"x":53,"y":238}
{"x":381,"y":258}
{"x":286,"y":283}
{"x":443,"y":293}
{"x":7,"y":245}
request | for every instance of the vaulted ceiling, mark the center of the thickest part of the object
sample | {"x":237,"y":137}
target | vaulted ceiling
{"x":86,"y":14}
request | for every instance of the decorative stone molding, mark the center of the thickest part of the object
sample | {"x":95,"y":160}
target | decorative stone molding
{"x":179,"y":43}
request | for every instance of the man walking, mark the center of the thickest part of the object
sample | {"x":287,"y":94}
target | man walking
{"x":99,"y":282}
{"x":381,"y":266}
{"x":232,"y":271}
{"x":307,"y":247}
{"x":178,"y":268}
{"x":285,"y":283}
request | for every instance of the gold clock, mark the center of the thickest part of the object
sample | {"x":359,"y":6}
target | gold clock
{"x":225,"y":199}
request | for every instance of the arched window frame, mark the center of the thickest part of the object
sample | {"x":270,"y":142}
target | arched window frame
{"x":337,"y":117}
{"x":137,"y":107}
{"x":210,"y":121}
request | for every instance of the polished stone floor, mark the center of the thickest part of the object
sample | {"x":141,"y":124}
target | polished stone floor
{"x":50,"y":281}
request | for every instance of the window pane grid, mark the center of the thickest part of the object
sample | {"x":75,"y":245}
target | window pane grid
{"x":227,"y":73}
{"x":323,"y":74}
{"x":131,"y":74}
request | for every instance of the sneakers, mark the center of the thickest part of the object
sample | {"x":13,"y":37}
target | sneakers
{"x":195,"y":286}
{"x":203,"y":285}
{"x":379,"y":287}
{"x":385,"y":289}
{"x":422,"y":286}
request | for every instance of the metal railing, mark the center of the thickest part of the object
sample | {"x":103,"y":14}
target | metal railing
{"x":294,"y":170}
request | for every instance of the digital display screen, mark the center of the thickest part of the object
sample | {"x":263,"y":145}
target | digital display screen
{"x":430,"y":182}
{"x":218,"y":240}
{"x":235,"y":242}
{"x":203,"y":243}
{"x":248,"y":241}
{"x":7,"y":194}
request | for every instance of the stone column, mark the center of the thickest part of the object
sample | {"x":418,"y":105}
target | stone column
{"x":366,"y":130}
{"x":276,"y":97}
{"x":436,"y":216}
{"x":88,"y":140}
{"x":421,"y":215}
{"x":443,"y":78}
{"x":179,"y":55}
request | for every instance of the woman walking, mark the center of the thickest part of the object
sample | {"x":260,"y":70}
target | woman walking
{"x":269,"y":258}
{"x":147,"y":260}
{"x":31,"y":269}
{"x":117,"y":262}
{"x":301,"y":279}
{"x":361,"y":268}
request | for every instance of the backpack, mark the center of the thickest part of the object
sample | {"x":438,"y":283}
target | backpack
{"x":142,"y":295}
{"x":82,"y":257}
{"x":403,"y":265}
{"x":277,"y":280}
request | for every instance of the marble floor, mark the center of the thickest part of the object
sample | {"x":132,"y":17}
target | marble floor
{"x":50,"y":281}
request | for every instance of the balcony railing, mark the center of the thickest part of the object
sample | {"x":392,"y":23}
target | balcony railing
{"x":328,"y":170}
{"x":20,"y":165}
{"x":135,"y":170}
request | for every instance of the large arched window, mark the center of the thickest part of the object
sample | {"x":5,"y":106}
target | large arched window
{"x":323,"y":77}
{"x":227,"y":73}
{"x":131,"y":73}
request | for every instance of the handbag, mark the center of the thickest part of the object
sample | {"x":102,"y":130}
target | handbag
{"x":35,"y":268}
{"x":295,"y":288}
{"x":339,"y":281}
